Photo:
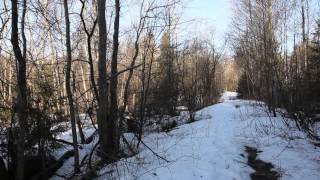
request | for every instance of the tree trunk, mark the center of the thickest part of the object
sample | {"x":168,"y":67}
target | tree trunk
{"x":21,"y":100}
{"x":105,"y":136}
{"x":77,"y":111}
{"x":114,"y":80}
{"x":304,"y":37}
{"x":68,"y":90}
{"x":84,"y":84}
{"x":81,"y":134}
{"x":89,"y":51}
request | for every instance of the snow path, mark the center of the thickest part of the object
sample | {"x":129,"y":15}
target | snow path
{"x":214,"y":147}
{"x":206,"y":149}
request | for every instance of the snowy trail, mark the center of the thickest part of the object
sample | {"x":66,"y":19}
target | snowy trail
{"x":226,"y":148}
{"x":206,"y":149}
{"x":213,"y":147}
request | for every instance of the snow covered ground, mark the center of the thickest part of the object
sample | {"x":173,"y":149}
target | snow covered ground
{"x":214,"y":147}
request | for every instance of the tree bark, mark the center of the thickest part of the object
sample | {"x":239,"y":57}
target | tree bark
{"x":68,"y":89}
{"x":77,"y":111}
{"x":304,"y":37}
{"x":21,"y":100}
{"x":114,"y":80}
{"x":105,"y":136}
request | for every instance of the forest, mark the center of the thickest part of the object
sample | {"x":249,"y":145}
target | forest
{"x":136,"y":89}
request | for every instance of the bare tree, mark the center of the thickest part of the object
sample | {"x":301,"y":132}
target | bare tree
{"x":89,"y":33}
{"x":112,"y":130}
{"x":68,"y":89}
{"x":21,"y":100}
{"x":103,"y":118}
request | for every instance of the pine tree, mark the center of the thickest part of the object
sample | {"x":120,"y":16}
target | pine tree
{"x":313,"y":73}
{"x":168,"y":91}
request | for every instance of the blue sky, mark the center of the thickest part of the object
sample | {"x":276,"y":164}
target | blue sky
{"x":207,"y":15}
{"x":214,"y":14}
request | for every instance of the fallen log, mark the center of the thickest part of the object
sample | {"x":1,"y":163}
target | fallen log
{"x":54,"y":167}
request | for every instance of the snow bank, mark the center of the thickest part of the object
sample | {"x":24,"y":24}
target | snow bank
{"x":228,"y":96}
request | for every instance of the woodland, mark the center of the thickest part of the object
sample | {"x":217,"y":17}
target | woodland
{"x":86,"y":84}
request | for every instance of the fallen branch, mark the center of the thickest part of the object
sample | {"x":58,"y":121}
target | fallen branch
{"x":91,"y":154}
{"x":92,"y":170}
{"x":128,"y":144}
{"x":51,"y":169}
{"x":62,"y":141}
{"x":153,"y":151}
{"x":91,"y":138}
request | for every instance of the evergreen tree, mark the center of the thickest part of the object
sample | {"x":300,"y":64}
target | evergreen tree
{"x":313,"y":73}
{"x":167,"y":94}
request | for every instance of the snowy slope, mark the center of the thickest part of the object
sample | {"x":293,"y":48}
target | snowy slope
{"x":214,"y":147}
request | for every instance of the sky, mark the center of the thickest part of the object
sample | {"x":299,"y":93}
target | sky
{"x":202,"y":18}
{"x":214,"y":14}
